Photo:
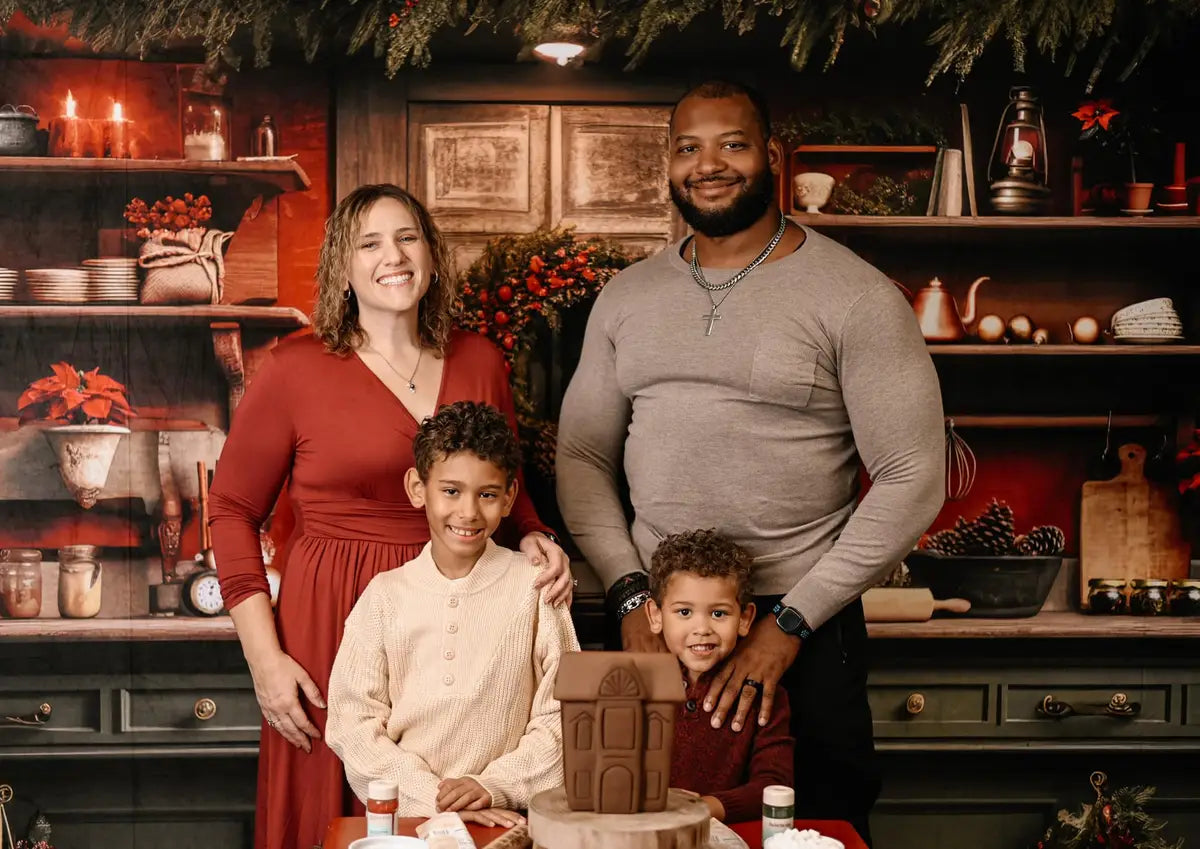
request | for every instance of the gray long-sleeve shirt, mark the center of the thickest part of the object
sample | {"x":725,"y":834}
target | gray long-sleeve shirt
{"x":756,"y":430}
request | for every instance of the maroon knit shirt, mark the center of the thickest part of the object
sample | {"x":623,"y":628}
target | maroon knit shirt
{"x":732,"y":766}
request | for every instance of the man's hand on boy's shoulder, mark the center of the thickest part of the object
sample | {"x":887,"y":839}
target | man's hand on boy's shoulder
{"x":752,"y":670}
{"x":462,"y":794}
{"x":636,"y":634}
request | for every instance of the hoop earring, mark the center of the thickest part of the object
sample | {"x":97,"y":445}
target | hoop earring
{"x":436,"y":278}
{"x":346,"y":293}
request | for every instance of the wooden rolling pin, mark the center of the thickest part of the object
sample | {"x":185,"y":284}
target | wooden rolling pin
{"x":907,"y":604}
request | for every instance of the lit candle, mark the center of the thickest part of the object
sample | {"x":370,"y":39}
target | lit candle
{"x":116,"y":144}
{"x":66,"y":132}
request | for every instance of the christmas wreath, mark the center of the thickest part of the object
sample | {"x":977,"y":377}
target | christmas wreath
{"x":1116,"y":820}
{"x":519,"y":286}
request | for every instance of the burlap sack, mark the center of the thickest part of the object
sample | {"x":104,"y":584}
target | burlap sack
{"x":187,"y":267}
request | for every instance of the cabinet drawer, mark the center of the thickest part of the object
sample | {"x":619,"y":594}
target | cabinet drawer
{"x":200,"y":709}
{"x":1192,"y":701}
{"x":928,"y":711}
{"x":1079,"y":709}
{"x":62,"y":712}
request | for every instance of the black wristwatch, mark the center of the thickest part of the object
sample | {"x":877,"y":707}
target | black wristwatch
{"x":791,"y":621}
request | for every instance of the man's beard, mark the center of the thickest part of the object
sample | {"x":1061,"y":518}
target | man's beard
{"x":747,"y":207}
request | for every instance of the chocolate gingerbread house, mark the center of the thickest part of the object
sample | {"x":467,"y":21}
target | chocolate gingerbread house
{"x":618,"y":723}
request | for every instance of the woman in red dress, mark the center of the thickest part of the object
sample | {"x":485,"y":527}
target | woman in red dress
{"x":333,"y":415}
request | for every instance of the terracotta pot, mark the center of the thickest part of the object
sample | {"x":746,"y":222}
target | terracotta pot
{"x":1137,"y":196}
{"x":85,"y":453}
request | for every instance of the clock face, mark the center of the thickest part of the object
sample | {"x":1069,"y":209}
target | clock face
{"x":204,"y":594}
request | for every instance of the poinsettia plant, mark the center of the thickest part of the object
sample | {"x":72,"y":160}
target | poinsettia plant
{"x":73,"y":396}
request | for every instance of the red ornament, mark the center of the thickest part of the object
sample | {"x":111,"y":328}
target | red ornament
{"x":393,"y":20}
{"x":505,"y":293}
{"x":509,"y":341}
{"x":483,"y":297}
{"x":1106,"y":812}
{"x":501,"y":317}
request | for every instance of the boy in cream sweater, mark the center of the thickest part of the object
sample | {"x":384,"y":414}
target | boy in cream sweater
{"x":444,"y":679}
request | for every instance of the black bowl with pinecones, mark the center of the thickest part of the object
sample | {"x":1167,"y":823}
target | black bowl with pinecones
{"x":1003,"y":574}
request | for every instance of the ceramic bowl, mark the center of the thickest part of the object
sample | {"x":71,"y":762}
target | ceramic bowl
{"x":389,"y":841}
{"x":812,"y":189}
{"x":1002,"y":586}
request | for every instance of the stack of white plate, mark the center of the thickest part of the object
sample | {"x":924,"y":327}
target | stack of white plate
{"x":57,"y":285}
{"x":8,"y":284}
{"x":112,"y":279}
{"x":1150,"y":322}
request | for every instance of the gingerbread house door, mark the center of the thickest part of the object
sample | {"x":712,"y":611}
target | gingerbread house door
{"x":619,"y":753}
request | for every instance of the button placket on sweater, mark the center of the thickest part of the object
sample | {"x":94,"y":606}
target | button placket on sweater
{"x":449,"y":651}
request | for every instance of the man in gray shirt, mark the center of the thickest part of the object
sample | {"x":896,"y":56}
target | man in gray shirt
{"x":743,"y":400}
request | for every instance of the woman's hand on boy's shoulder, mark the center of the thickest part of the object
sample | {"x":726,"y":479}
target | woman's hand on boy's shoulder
{"x":462,"y":794}
{"x":555,"y":577}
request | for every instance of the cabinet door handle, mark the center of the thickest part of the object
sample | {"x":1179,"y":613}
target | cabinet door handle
{"x":39,"y":717}
{"x":204,"y":709}
{"x":1118,"y":706}
{"x":915,"y":704}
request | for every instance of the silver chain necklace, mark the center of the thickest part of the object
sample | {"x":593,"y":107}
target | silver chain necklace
{"x":412,"y":387}
{"x":714,"y":315}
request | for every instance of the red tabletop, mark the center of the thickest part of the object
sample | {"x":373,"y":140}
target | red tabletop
{"x":345,"y":829}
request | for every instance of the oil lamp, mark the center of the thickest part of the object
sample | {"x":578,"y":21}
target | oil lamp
{"x":1019,"y":156}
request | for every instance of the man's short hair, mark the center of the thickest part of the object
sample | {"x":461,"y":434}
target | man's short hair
{"x":715,"y":89}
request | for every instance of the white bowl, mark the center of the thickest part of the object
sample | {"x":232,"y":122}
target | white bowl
{"x":388,"y":841}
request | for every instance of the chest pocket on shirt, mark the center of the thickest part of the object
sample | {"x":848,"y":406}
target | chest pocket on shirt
{"x":783,"y":373}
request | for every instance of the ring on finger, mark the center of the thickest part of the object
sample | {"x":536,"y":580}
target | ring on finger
{"x":271,"y":722}
{"x":757,"y":685}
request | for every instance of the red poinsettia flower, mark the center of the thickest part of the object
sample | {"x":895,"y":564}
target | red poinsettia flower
{"x":70,"y":396}
{"x":1095,"y":112}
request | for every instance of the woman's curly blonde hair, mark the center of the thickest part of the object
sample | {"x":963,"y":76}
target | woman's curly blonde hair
{"x":335,"y":317}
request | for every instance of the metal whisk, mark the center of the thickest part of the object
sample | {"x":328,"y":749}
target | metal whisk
{"x":960,"y":464}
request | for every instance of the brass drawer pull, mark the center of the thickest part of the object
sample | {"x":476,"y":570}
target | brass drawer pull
{"x":39,"y":717}
{"x":915,"y":704}
{"x":1118,"y":706}
{"x":205,"y":709}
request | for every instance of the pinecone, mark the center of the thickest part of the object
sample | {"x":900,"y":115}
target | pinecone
{"x":1044,"y":540}
{"x":945,"y":542}
{"x":994,"y":533}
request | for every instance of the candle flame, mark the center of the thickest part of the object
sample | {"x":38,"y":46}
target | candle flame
{"x":70,"y":105}
{"x":116,"y":113}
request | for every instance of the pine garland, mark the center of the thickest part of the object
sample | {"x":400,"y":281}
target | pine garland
{"x":400,"y":30}
{"x":1114,"y":821}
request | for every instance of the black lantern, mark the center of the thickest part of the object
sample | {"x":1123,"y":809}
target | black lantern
{"x":1019,"y":155}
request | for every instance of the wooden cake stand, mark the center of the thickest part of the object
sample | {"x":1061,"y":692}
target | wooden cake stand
{"x":553,"y":825}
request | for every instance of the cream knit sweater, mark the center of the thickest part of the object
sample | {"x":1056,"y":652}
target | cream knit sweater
{"x":438,"y":678}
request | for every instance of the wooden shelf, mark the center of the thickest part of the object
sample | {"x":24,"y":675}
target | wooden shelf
{"x":1002,"y":420}
{"x":1100,"y":350}
{"x":1085,"y":223}
{"x":288,"y":318}
{"x":1053,"y":625}
{"x":148,"y":629}
{"x":285,"y":175}
{"x":856,"y":149}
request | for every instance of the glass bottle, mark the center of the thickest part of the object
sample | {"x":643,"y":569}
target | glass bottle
{"x":265,"y":141}
{"x":382,"y":805}
{"x":20,"y":583}
{"x":1148,"y":597}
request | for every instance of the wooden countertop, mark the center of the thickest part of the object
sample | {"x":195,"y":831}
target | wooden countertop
{"x":1042,"y":626}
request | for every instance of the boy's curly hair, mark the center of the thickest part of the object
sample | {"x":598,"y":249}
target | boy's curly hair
{"x":470,"y":426}
{"x":704,"y":553}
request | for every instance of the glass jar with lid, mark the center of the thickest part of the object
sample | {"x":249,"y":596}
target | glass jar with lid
{"x":1148,"y":597}
{"x":79,"y":573}
{"x":20,"y":583}
{"x":1106,"y":595}
{"x":1184,"y":597}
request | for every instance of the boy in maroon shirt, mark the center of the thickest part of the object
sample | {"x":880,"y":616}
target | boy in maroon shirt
{"x":700,"y":603}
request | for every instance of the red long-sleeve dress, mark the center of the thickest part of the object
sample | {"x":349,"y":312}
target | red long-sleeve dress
{"x":342,"y":441}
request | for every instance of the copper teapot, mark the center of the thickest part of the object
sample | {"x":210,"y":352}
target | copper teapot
{"x":938,"y":315}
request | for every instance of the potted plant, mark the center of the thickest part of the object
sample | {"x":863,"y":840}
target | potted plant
{"x":1119,"y":138}
{"x":183,"y":258}
{"x":87,"y":412}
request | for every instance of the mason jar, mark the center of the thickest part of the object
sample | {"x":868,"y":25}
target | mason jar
{"x":20,"y":583}
{"x":1184,"y":597}
{"x":1148,"y":597}
{"x":1106,"y":595}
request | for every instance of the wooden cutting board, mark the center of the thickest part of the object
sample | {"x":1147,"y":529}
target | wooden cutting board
{"x":1129,"y":527}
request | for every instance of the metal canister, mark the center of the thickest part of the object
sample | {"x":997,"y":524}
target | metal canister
{"x":266,"y":138}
